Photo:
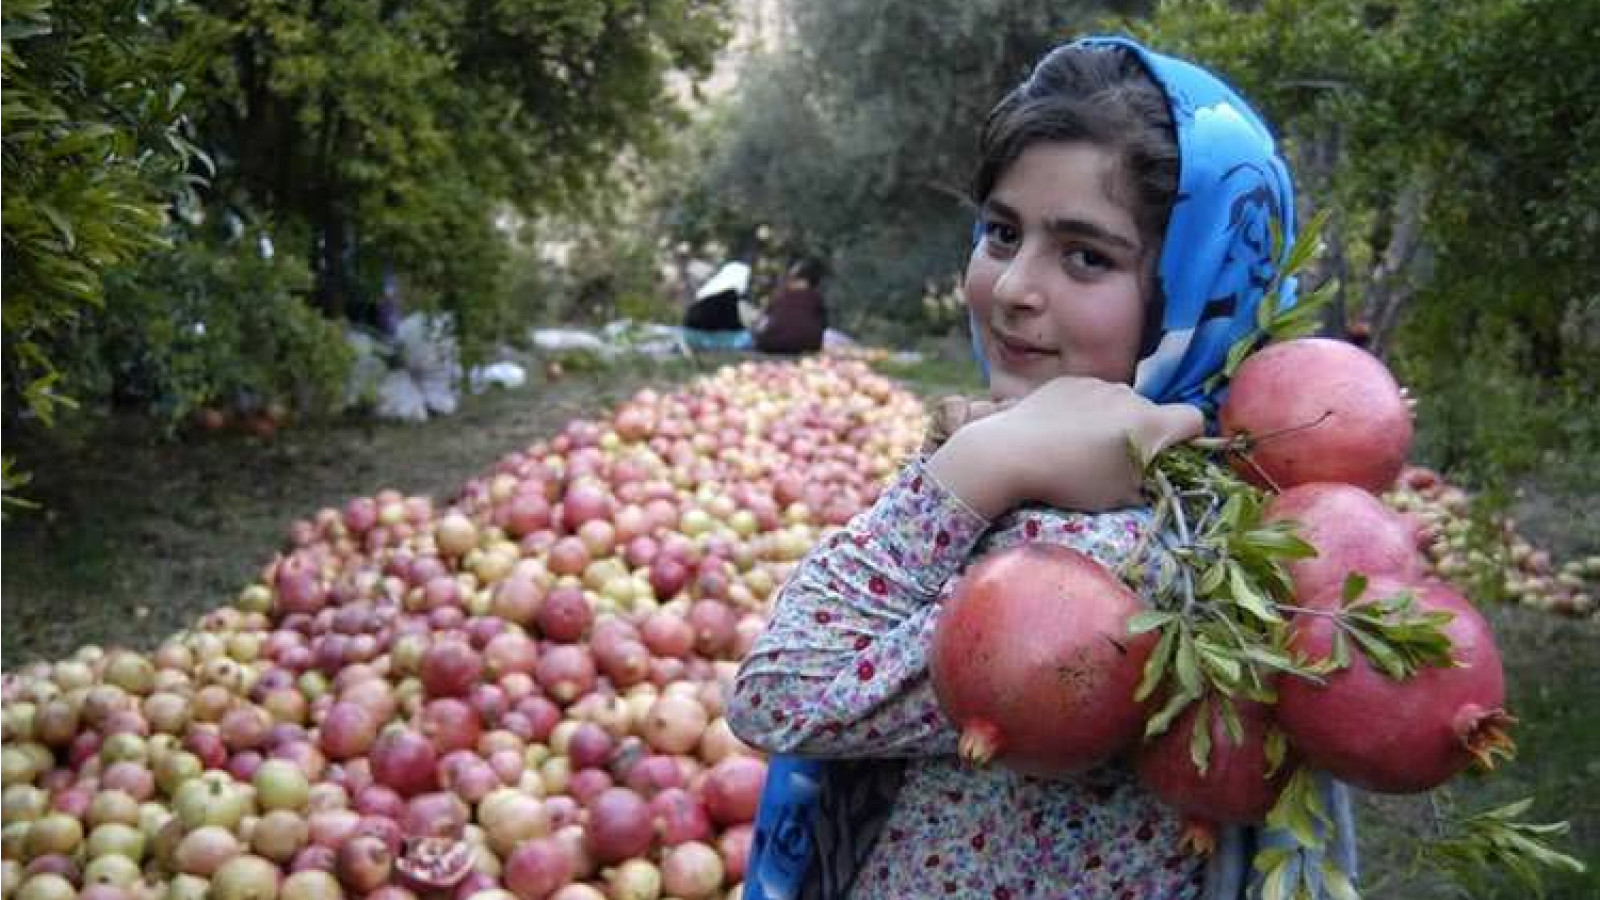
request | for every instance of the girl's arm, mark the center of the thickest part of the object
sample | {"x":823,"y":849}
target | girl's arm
{"x":841,"y":669}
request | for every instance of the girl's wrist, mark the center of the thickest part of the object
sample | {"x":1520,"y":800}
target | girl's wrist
{"x":969,"y":466}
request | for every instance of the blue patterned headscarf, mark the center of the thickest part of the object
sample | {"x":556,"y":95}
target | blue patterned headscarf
{"x":817,"y":820}
{"x":1217,"y":255}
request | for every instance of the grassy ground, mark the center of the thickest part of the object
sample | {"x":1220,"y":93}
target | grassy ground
{"x":139,"y":536}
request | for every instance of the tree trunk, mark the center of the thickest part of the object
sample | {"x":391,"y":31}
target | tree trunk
{"x":1318,"y":160}
{"x":329,"y":228}
{"x":1392,"y":284}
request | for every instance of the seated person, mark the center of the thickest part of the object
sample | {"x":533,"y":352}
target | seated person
{"x":796,"y":317}
{"x":716,"y":303}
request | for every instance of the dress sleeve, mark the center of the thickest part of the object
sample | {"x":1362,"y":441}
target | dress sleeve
{"x":842,"y":668}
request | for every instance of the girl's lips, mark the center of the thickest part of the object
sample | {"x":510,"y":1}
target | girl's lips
{"x":1015,"y":352}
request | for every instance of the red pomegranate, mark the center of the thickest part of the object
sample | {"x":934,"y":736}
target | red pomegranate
{"x":1317,"y":410}
{"x":1235,"y":786}
{"x":1399,"y":736}
{"x":1353,"y":531}
{"x":1033,"y":661}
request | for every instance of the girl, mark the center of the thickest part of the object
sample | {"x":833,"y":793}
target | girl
{"x":1122,"y":246}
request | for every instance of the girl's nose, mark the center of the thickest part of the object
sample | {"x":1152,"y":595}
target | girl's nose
{"x":1019,"y":289}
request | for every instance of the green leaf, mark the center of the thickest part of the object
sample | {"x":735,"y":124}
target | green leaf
{"x":1278,"y":542}
{"x":1156,"y":666}
{"x":1355,"y":584}
{"x":1308,"y":242}
{"x":1174,"y":707}
{"x":1246,"y":597}
{"x":1232,"y":509}
{"x":1275,"y":883}
{"x":1277,"y":749}
{"x":1220,"y":661}
{"x":1299,"y":809}
{"x":1509,"y":811}
{"x":1187,"y":666}
{"x":1341,"y":650}
{"x":1200,"y":738}
{"x":1336,"y":882}
{"x":1266,"y":310}
{"x":1230,"y":720}
{"x":1149,"y":620}
{"x":1236,"y":355}
{"x":59,"y":220}
{"x":1380,"y":654}
{"x":1303,"y":319}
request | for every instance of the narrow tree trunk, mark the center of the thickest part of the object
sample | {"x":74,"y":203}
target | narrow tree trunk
{"x":1391,"y":285}
{"x":1319,"y":159}
{"x":332,"y":287}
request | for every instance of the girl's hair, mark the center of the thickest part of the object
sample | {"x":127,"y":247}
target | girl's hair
{"x":1099,"y":95}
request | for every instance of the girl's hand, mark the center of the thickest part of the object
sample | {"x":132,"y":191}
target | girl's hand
{"x":953,"y":412}
{"x":1065,"y":444}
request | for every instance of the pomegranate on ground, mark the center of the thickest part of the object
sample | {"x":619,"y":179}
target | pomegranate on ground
{"x":1353,"y":533}
{"x":1398,"y":736}
{"x":1316,"y":409}
{"x":1033,"y":661}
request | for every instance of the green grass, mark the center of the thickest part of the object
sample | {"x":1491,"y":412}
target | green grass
{"x":935,"y":375}
{"x":1554,"y":690}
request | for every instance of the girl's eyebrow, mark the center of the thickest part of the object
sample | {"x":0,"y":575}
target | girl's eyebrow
{"x":1068,"y":227}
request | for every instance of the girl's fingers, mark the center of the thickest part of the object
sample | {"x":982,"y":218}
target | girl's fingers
{"x":953,"y":412}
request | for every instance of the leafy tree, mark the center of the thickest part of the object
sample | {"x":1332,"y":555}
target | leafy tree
{"x":1459,"y":145}
{"x":392,"y":134}
{"x":93,"y":149}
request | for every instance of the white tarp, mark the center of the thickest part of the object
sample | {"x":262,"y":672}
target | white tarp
{"x":417,"y":375}
{"x":507,"y":375}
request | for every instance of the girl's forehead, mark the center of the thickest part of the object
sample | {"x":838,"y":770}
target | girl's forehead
{"x":1056,"y":181}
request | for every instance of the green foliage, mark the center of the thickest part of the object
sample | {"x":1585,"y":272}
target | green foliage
{"x":1475,"y":847}
{"x":603,"y":273}
{"x":93,"y":150}
{"x":1490,"y":316}
{"x":857,"y":142}
{"x":393,"y":133}
{"x":215,"y":321}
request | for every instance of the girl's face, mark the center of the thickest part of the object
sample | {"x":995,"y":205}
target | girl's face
{"x":1057,"y":281}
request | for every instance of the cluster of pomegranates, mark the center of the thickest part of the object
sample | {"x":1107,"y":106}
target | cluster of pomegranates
{"x":1442,"y":514}
{"x":516,"y":696}
{"x":1036,"y":660}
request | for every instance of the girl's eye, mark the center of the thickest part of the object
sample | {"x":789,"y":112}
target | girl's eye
{"x":1084,"y":259}
{"x":1000,"y":235}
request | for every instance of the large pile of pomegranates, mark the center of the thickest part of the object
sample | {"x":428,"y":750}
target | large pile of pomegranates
{"x":514,"y":695}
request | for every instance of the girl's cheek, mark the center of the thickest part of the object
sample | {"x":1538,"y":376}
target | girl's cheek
{"x":979,"y":285}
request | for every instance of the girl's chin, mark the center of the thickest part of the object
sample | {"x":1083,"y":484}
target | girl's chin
{"x":1007,"y":386}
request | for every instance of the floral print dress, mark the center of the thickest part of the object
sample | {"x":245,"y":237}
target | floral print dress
{"x":842,"y":672}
